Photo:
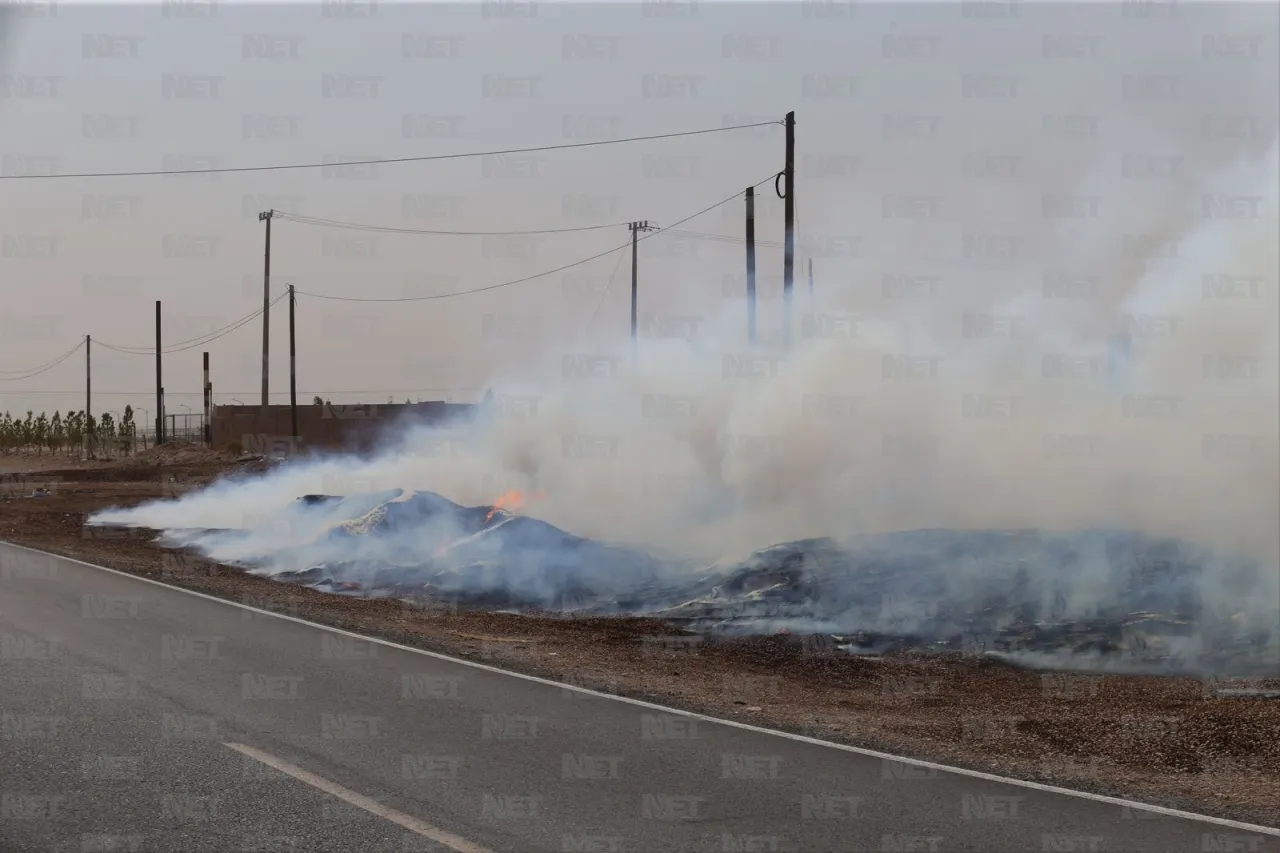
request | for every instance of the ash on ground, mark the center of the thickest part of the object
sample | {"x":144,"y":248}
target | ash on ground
{"x":1099,"y":600}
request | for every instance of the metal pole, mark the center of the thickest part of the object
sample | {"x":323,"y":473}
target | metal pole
{"x":265,"y":216}
{"x":159,"y":389}
{"x":88,"y":403}
{"x":293,"y":371}
{"x":751,"y":264}
{"x":635,"y":230}
{"x":208,"y":412}
{"x":789,"y":219}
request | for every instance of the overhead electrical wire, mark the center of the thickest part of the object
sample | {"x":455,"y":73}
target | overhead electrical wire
{"x":225,"y":330}
{"x":180,"y":346}
{"x":47,"y":366}
{"x":724,"y":238}
{"x":388,"y":160}
{"x":55,"y":360}
{"x":358,"y":226}
{"x":606,"y":290}
{"x":535,"y":276}
{"x":191,"y":343}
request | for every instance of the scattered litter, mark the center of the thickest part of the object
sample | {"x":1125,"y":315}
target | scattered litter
{"x":35,"y":493}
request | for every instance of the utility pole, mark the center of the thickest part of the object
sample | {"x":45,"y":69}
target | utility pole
{"x":789,"y":219}
{"x":811,"y":284}
{"x":293,"y":372}
{"x":88,"y":403}
{"x":159,"y":389}
{"x":636,"y":228}
{"x":208,"y":407}
{"x":266,"y":217}
{"x":751,"y":264}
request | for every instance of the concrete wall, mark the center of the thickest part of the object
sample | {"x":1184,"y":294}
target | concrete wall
{"x":329,"y":427}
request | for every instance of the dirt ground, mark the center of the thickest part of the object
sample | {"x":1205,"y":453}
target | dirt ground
{"x":1167,"y":741}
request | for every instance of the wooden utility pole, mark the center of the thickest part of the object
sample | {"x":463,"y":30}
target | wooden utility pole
{"x":159,"y":388}
{"x":789,"y":220}
{"x":636,"y":228}
{"x":266,"y":216}
{"x":88,"y":401}
{"x":208,"y":405}
{"x":751,"y":264}
{"x":293,"y":372}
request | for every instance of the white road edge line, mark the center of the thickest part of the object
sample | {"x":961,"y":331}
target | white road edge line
{"x":915,"y":762}
{"x":448,"y":839}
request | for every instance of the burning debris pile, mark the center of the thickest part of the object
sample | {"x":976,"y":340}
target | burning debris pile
{"x":1018,"y":596}
{"x":1095,"y":599}
{"x":422,"y":545}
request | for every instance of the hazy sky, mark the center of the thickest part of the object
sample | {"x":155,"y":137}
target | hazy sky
{"x":917,"y":124}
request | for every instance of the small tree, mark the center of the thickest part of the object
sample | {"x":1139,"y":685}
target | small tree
{"x":75,"y":431}
{"x":91,"y":430}
{"x":107,"y":432}
{"x":57,"y":433}
{"x":41,"y":433}
{"x":128,"y":429}
{"x":6,"y":434}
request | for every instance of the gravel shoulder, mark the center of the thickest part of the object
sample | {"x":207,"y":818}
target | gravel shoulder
{"x":1166,"y":741}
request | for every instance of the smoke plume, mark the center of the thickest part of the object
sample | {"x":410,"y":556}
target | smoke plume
{"x":1115,"y":367}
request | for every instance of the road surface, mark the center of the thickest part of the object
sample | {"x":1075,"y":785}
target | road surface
{"x":138,"y":717}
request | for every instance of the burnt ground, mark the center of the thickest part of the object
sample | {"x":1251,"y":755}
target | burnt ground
{"x":1168,"y":741}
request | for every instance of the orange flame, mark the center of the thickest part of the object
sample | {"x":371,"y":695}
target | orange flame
{"x":510,"y":500}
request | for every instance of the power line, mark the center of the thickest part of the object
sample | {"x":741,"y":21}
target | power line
{"x":191,"y":343}
{"x":383,"y":160}
{"x":47,"y":366}
{"x":723,"y":238}
{"x":543,"y":274}
{"x":357,"y":226}
{"x":55,"y":360}
{"x":606,"y":290}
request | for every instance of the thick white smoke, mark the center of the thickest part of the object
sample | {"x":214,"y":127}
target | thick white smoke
{"x":1112,"y":383}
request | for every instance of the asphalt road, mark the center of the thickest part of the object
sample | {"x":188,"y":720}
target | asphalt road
{"x":136,"y":717}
